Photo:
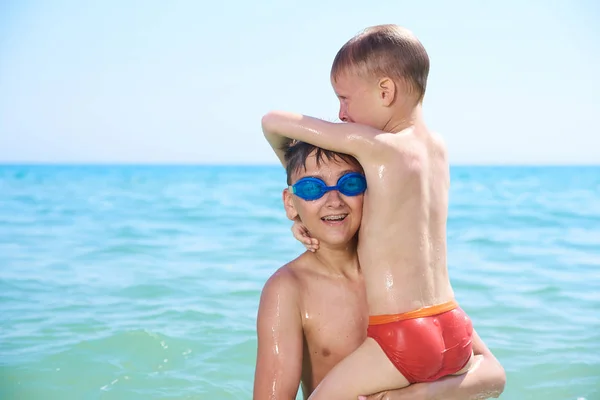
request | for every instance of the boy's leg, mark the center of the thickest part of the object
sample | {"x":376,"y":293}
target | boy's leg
{"x":470,"y":364}
{"x":366,"y":371}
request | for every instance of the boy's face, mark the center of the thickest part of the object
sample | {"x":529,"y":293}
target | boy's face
{"x":360,"y":100}
{"x":334,"y":218}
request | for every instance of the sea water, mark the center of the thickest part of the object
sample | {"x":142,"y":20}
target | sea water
{"x":142,"y":282}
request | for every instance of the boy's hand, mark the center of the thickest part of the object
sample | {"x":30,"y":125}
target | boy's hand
{"x":303,"y":236}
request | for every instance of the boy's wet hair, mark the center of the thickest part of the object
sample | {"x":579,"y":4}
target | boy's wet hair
{"x":296,"y":154}
{"x":385,"y":51}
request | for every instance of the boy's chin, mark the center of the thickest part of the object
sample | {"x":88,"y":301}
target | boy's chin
{"x":335,"y":241}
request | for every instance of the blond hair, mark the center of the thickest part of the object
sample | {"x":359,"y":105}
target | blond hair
{"x":386,"y":51}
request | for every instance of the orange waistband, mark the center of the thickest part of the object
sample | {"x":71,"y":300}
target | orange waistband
{"x":420,"y":313}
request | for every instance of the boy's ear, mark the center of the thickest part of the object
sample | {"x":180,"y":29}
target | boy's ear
{"x":288,"y":204}
{"x":387,"y":91}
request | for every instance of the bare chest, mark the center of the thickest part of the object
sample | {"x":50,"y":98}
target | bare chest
{"x":335,"y":324}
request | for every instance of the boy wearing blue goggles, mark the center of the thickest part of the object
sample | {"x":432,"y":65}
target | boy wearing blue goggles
{"x":310,"y":188}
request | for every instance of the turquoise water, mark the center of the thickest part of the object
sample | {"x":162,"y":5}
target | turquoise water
{"x":143,"y":282}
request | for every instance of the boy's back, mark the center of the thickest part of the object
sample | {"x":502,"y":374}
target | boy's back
{"x":404,"y":221}
{"x":379,"y":77}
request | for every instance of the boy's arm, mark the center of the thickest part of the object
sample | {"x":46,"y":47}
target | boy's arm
{"x":485,"y":381}
{"x":280,"y":340}
{"x":350,"y":138}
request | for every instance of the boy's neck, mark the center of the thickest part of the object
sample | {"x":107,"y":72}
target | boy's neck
{"x":404,"y":119}
{"x":339,"y":260}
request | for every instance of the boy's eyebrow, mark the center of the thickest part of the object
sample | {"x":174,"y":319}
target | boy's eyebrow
{"x":346,"y":171}
{"x":319,"y":176}
{"x":313,"y":176}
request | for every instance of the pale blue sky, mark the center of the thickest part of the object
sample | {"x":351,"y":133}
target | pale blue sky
{"x":188,"y":81}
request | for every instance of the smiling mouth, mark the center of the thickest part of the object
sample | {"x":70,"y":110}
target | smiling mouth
{"x":334,"y":218}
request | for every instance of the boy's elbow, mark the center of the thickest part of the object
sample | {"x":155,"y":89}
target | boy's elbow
{"x":277,"y":121}
{"x":497,"y":381}
{"x":266,"y":123}
{"x":271,"y":120}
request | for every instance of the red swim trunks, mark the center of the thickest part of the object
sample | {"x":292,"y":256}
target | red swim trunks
{"x":426,"y":344}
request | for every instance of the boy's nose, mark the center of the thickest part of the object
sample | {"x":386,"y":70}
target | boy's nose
{"x":334,"y":199}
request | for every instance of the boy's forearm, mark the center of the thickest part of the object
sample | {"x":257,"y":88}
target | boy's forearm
{"x":349,"y":138}
{"x":279,"y":145}
{"x":277,"y":140}
{"x":485,"y":381}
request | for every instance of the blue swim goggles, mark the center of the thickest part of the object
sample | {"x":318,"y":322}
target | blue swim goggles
{"x":349,"y":184}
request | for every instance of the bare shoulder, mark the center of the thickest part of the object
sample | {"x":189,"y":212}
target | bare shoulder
{"x":412,"y":148}
{"x":288,"y":280}
{"x":438,"y":144}
{"x":284,"y":280}
{"x":404,"y":152}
